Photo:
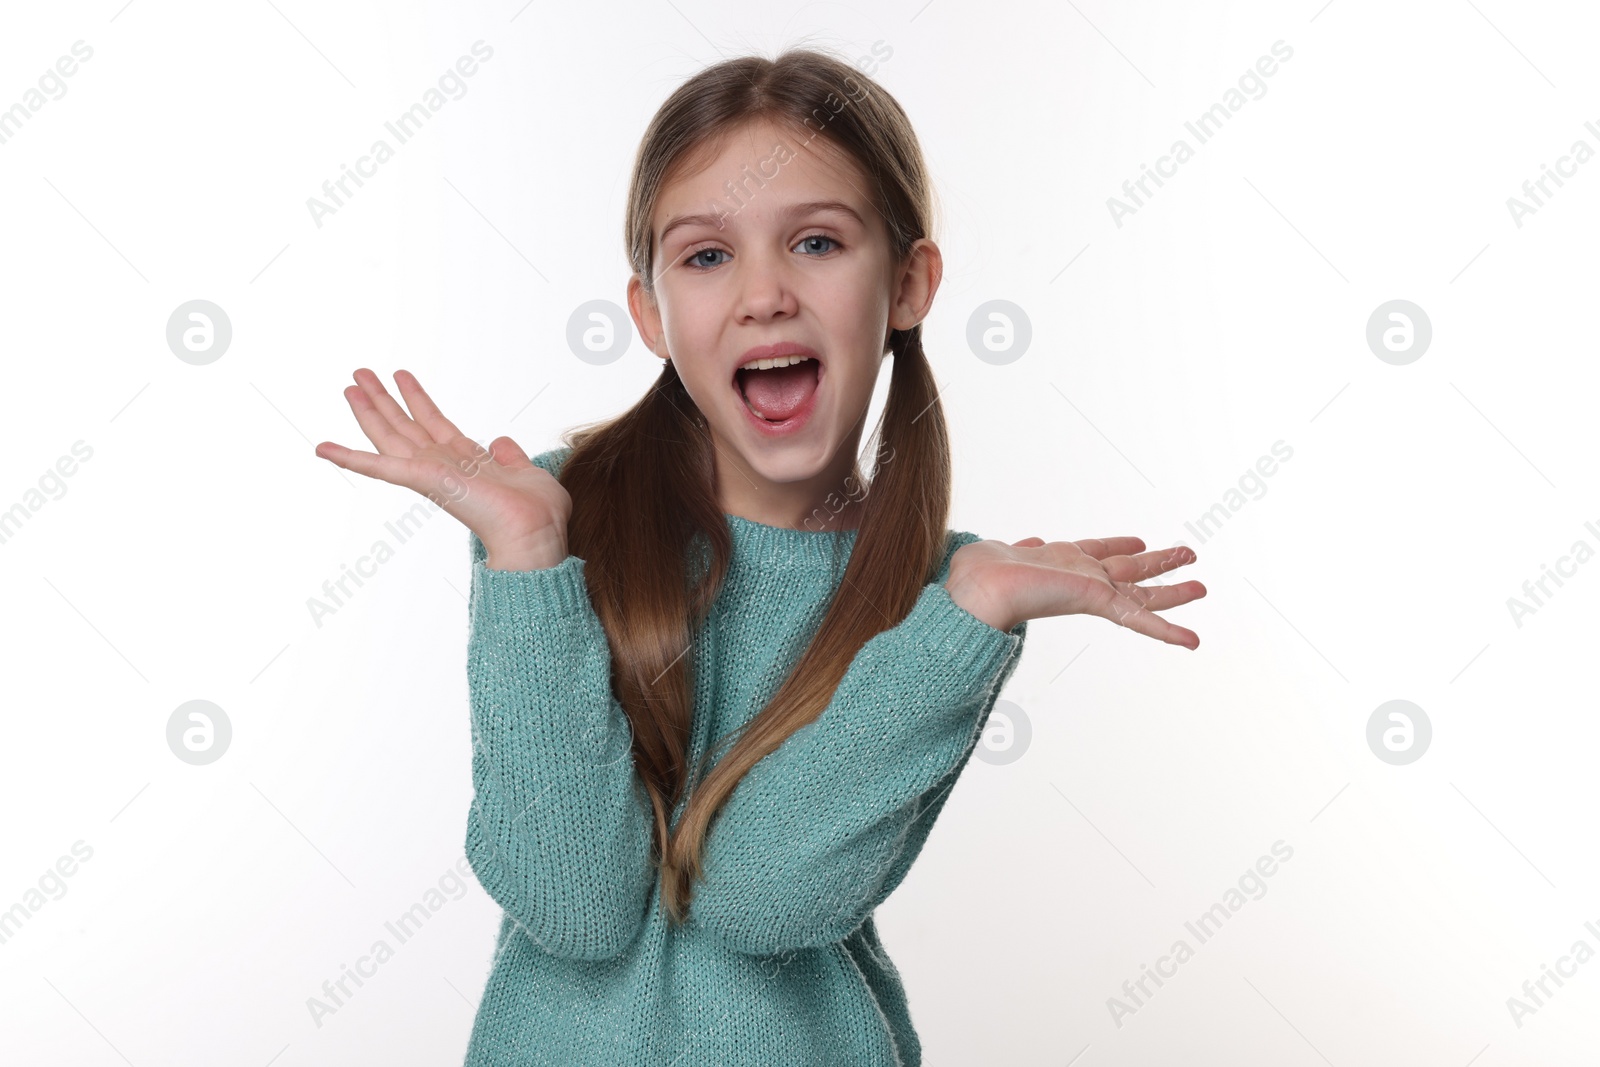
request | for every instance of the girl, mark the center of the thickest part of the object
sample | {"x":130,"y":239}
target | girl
{"x":702,"y":753}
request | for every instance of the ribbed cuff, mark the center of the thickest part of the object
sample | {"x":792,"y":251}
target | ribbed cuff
{"x":559,"y":591}
{"x":957,"y":643}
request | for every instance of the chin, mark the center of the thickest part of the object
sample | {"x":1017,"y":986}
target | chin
{"x":782,"y":462}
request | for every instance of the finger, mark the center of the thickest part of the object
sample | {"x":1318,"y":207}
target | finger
{"x":1028,"y":542}
{"x":426,"y":411}
{"x":373,"y":423}
{"x":1126,"y":612}
{"x":390,"y":410}
{"x":508,"y":453}
{"x":1147,"y":564}
{"x":1161,"y":597}
{"x":396,"y":470}
{"x":1100,"y":548}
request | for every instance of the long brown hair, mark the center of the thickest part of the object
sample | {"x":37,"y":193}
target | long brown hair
{"x":643,"y":484}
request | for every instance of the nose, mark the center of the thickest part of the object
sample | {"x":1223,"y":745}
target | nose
{"x":766,"y":287}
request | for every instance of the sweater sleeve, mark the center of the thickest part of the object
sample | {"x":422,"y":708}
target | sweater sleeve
{"x":559,"y":832}
{"x":823,"y":829}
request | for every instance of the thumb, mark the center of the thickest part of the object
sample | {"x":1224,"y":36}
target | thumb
{"x":1028,"y":542}
{"x":508,"y":453}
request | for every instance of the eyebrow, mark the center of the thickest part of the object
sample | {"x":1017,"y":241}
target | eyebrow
{"x":810,"y":207}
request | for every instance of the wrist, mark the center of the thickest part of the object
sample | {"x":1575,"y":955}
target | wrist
{"x":971,"y":598}
{"x":538,"y":551}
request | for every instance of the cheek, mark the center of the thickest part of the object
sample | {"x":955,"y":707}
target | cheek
{"x":684,"y":307}
{"x":691,"y":343}
{"x":705,"y":380}
{"x":857,"y":316}
{"x":854,"y":386}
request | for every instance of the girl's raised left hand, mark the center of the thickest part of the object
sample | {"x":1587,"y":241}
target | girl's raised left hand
{"x":1005,"y":584}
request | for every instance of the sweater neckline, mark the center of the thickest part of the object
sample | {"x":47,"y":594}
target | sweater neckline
{"x":775,"y":543}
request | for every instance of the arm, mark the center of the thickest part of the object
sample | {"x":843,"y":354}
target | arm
{"x":559,"y":829}
{"x":822,"y":830}
{"x":557,"y":834}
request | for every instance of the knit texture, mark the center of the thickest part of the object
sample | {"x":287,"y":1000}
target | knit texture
{"x":780,"y":962}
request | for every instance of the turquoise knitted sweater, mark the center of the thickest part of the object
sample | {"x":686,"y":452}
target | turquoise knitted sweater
{"x":780,"y":962}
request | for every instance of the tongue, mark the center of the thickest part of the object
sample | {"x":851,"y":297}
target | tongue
{"x":776,"y":394}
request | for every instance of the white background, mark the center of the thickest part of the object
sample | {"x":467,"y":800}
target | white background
{"x":1168,"y":354}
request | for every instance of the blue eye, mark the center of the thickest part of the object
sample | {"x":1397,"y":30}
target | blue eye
{"x":693,"y":256}
{"x":818,"y":237}
{"x":694,"y":263}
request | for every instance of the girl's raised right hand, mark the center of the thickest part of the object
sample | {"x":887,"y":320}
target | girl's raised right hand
{"x":519,"y":511}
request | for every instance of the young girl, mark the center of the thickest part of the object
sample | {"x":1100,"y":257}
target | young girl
{"x":721,"y":686}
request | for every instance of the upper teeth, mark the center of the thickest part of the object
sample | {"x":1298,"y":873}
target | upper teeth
{"x":767,"y":364}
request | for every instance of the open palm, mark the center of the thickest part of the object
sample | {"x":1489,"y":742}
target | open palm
{"x":1035,"y":579}
{"x":512,"y":505}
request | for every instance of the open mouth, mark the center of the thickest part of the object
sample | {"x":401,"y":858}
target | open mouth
{"x":777,"y":394}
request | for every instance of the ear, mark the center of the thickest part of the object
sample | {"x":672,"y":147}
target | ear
{"x":916,"y":281}
{"x":647,"y":317}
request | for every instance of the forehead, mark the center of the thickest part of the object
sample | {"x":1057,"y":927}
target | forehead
{"x":756,"y":171}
